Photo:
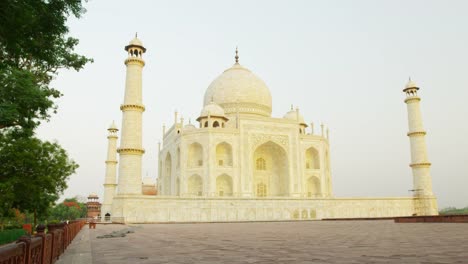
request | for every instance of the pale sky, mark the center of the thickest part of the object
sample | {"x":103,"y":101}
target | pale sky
{"x":343,"y":63}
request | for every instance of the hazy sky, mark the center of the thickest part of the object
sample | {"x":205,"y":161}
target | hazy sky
{"x":343,"y":63}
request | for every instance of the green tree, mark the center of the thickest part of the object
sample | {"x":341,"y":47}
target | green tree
{"x":35,"y":172}
{"x":63,"y":212}
{"x":34,"y":46}
{"x":69,"y":209}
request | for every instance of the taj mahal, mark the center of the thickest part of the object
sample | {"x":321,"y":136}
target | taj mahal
{"x":239,"y":163}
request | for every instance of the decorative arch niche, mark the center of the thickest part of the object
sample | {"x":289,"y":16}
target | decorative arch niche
{"x":272,"y":177}
{"x":195,"y":155}
{"x":224,"y":154}
{"x":312,"y":160}
{"x":224,"y":185}
{"x":313,"y":187}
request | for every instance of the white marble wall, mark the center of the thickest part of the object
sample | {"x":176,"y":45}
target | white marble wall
{"x":251,"y":134}
{"x":151,"y":209}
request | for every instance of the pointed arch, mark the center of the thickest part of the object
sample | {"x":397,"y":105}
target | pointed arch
{"x":271,"y":177}
{"x":313,"y":187}
{"x":224,"y":154}
{"x":195,"y":155}
{"x":224,"y":185}
{"x":312,"y":159}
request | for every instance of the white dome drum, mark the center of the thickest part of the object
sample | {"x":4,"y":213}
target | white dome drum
{"x":237,"y":89}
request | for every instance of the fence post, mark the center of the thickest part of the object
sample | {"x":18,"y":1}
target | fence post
{"x":46,"y":244}
{"x":55,"y":242}
{"x":66,"y":234}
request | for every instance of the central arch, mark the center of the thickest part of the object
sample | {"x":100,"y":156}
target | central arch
{"x":270,"y":170}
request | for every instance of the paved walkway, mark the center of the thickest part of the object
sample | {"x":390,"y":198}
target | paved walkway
{"x":79,"y":251}
{"x":275,"y":242}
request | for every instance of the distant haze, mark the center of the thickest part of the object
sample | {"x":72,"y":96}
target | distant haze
{"x":343,"y":63}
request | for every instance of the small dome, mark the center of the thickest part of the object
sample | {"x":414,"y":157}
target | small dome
{"x":93,"y":195}
{"x":212,"y":109}
{"x":294,"y":115}
{"x":148,"y":181}
{"x":411,"y":84}
{"x":113,"y":126}
{"x":237,"y":89}
{"x":189,"y":126}
{"x":136,"y":42}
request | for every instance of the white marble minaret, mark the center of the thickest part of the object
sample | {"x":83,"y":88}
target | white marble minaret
{"x":110,"y":182}
{"x":131,"y":150}
{"x":420,"y":165}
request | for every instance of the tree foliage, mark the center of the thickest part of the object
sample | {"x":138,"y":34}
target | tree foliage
{"x":454,"y":211}
{"x":70,"y":209}
{"x":33,"y":173}
{"x":34,"y":46}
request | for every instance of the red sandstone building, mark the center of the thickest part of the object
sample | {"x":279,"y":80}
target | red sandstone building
{"x":94,"y":206}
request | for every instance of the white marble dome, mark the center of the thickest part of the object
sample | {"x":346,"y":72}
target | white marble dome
{"x":189,"y":127}
{"x":238,"y":89}
{"x":113,"y":126}
{"x":294,"y":115}
{"x":411,"y":84}
{"x":136,"y":41}
{"x":212,"y":109}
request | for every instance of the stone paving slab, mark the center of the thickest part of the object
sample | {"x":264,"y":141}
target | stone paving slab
{"x":282,"y":242}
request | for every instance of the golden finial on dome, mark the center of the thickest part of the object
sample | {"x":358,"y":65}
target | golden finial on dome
{"x":237,"y":55}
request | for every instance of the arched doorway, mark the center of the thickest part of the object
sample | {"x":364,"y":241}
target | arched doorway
{"x":313,"y":187}
{"x":224,"y":154}
{"x":270,"y":170}
{"x":312,"y":159}
{"x":107,"y":217}
{"x":224,"y":185}
{"x":195,"y":155}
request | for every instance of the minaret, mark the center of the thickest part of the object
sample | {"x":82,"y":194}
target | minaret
{"x":110,"y":182}
{"x":425,"y":203}
{"x":131,"y":150}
